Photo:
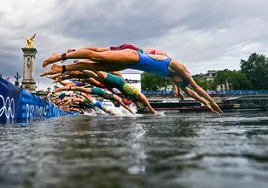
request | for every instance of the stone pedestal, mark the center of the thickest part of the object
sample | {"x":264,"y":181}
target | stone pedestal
{"x":28,"y":82}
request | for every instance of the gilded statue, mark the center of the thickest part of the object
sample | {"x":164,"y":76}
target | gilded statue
{"x":29,"y":41}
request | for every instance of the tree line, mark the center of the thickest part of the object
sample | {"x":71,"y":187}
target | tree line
{"x":253,"y":75}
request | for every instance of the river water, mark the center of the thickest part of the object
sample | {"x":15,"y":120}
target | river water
{"x":201,"y":150}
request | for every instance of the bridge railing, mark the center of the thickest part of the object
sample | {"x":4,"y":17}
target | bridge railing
{"x":212,"y":92}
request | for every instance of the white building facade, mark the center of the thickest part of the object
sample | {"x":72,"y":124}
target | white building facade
{"x":132,"y":77}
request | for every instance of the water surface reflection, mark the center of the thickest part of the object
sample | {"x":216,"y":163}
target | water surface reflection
{"x":183,"y":150}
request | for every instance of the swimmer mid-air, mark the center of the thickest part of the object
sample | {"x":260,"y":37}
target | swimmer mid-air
{"x":153,"y":51}
{"x":128,"y":91}
{"x":127,"y":58}
{"x":97,"y":91}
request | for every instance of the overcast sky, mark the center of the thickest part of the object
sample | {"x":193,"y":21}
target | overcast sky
{"x":202,"y":34}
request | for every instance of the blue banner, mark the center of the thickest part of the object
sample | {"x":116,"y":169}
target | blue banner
{"x":17,"y":105}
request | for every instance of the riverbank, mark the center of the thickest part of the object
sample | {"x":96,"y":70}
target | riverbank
{"x":240,"y":103}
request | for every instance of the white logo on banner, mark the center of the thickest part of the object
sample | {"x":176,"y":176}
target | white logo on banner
{"x":8,"y":107}
{"x":33,"y":111}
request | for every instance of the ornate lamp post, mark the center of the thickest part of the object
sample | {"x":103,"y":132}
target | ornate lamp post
{"x":29,"y":52}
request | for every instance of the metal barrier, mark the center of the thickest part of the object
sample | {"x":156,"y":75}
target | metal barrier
{"x":212,"y":92}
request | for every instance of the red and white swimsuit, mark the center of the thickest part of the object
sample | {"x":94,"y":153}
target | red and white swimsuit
{"x":132,"y":47}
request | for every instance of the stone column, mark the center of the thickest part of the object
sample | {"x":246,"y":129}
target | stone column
{"x":28,"y":82}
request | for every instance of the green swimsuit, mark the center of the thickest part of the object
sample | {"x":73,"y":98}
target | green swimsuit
{"x":97,"y":91}
{"x":117,"y":82}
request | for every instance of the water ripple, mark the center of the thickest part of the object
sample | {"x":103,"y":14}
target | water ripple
{"x":185,"y":150}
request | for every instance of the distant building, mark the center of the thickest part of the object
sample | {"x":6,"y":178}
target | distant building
{"x":132,"y":77}
{"x":210,"y":76}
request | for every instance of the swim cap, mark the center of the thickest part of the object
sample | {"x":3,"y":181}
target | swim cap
{"x":117,"y":105}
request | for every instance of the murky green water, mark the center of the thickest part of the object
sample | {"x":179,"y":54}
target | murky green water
{"x":180,"y":150}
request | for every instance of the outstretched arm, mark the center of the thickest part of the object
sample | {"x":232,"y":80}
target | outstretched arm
{"x":146,"y":102}
{"x":177,"y":90}
{"x":118,"y":99}
{"x":192,"y":94}
{"x":98,"y":104}
{"x":200,"y":90}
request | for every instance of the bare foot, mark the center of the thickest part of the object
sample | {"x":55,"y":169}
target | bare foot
{"x":52,"y":59}
{"x":54,"y":69}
